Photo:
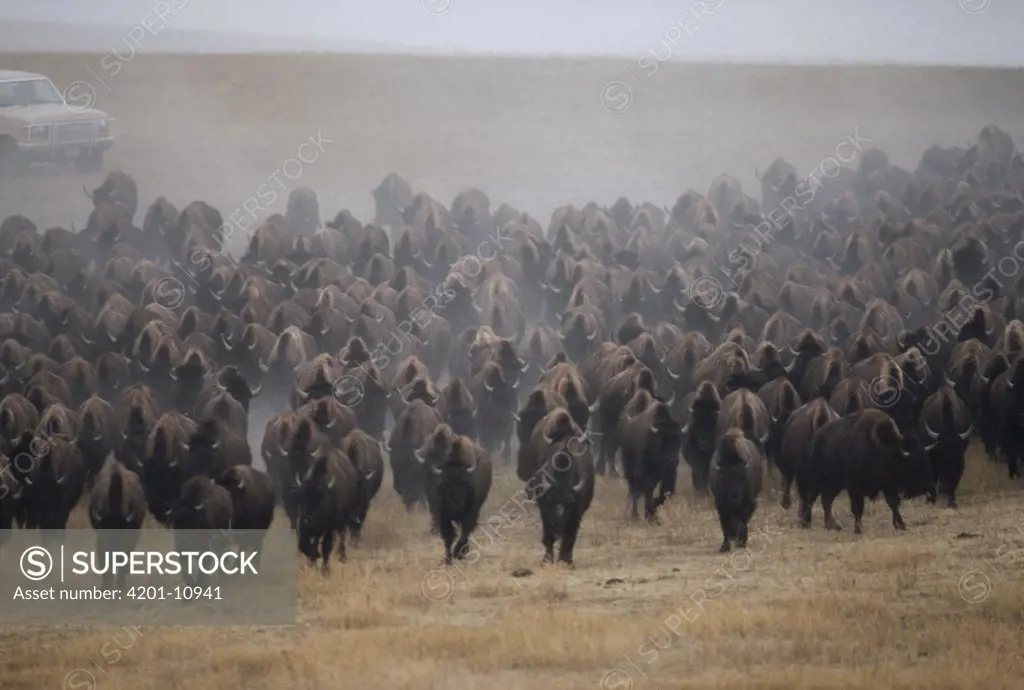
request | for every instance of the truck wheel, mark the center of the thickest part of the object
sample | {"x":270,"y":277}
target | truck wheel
{"x":12,"y":163}
{"x":89,"y":161}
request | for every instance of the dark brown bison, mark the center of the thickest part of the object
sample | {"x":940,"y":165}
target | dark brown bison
{"x":866,"y":455}
{"x":408,"y":435}
{"x":945,"y":429}
{"x":252,"y":505}
{"x":651,"y":441}
{"x":366,"y":456}
{"x":117,"y":509}
{"x":457,"y":481}
{"x":737,"y":471}
{"x":796,"y":441}
{"x":327,"y":497}
{"x":561,"y":481}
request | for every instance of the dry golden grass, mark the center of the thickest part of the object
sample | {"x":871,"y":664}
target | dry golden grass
{"x":646,"y":608}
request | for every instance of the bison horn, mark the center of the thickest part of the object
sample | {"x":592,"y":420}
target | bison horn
{"x":1009,"y":383}
{"x":142,"y":366}
{"x":671,"y":374}
{"x":653,"y":429}
{"x":516,"y":418}
{"x":224,"y":342}
{"x":421,"y":458}
{"x":330,"y":484}
{"x":489,"y":387}
{"x":578,"y":486}
{"x":654,"y":290}
{"x":86,"y":340}
{"x":124,"y":435}
{"x":97,"y":437}
{"x":62,"y":479}
{"x":516,"y":384}
{"x":385,"y":445}
{"x":369,"y":475}
{"x":476,"y":463}
{"x":298,"y":479}
{"x":931,"y":434}
{"x":28,"y":480}
{"x":685,"y":429}
{"x":949,"y":382}
{"x":263,"y":367}
{"x":763,"y":440}
{"x":591,"y":336}
{"x":174,"y":377}
{"x":523,"y":364}
{"x":967,"y":433}
{"x":435,"y":470}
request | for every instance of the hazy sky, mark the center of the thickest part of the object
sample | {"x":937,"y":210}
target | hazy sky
{"x":929,"y":31}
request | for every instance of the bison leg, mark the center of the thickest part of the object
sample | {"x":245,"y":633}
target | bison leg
{"x":462,"y":546}
{"x":308,"y":545}
{"x":893,"y":501}
{"x":826,"y":505}
{"x":787,"y":485}
{"x":342,"y":551}
{"x":857,"y":508}
{"x":447,"y":530}
{"x":548,"y":534}
{"x":634,"y":498}
{"x":807,"y":498}
{"x":1013,"y":460}
{"x":602,"y":458}
{"x":326,"y":546}
{"x":650,"y":506}
{"x":950,"y":479}
{"x":725,"y":520}
{"x":572,"y":520}
{"x":741,"y":534}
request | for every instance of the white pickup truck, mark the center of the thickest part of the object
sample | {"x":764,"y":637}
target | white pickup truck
{"x":36,"y":125}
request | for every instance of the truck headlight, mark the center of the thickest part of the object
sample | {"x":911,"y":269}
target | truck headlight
{"x":37,"y":134}
{"x":103,"y":128}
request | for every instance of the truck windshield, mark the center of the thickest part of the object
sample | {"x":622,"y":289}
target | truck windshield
{"x":28,"y":92}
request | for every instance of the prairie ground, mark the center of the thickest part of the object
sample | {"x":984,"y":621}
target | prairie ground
{"x":940,"y":606}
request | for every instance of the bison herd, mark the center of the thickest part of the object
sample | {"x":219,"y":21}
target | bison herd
{"x":846,"y":334}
